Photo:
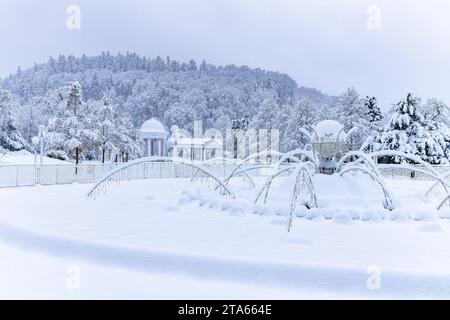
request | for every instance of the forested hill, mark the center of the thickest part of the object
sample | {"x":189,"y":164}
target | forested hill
{"x":175,"y":92}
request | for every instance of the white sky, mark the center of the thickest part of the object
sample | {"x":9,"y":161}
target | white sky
{"x":320,"y":43}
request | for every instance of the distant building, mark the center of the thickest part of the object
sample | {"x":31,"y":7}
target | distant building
{"x":156,"y":143}
{"x":200,"y":149}
{"x":153,"y":136}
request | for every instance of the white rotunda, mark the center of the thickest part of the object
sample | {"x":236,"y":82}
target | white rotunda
{"x":154,"y":138}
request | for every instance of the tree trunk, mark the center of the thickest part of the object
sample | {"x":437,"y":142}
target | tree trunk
{"x":77,"y":159}
{"x":103,"y":155}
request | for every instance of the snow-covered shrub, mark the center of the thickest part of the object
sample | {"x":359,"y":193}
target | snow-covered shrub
{"x":10,"y":137}
{"x":409,"y":132}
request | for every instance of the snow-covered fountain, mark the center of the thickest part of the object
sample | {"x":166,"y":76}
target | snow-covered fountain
{"x":324,"y":177}
{"x":328,"y":139}
{"x":318,"y":179}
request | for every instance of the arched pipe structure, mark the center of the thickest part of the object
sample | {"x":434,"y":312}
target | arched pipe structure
{"x":362,"y":157}
{"x":303,"y":183}
{"x":388,"y":200}
{"x":434,"y":174}
{"x":436,"y":185}
{"x":225,"y":161}
{"x":102,"y":184}
{"x":269,"y":182}
{"x":293,"y":156}
{"x":428,"y":169}
{"x":248,"y":159}
{"x":444,"y":202}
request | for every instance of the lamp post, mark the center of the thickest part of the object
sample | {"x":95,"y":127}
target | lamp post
{"x":41,"y":142}
{"x":35,"y":141}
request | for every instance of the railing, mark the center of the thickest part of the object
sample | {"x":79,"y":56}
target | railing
{"x":30,"y":175}
{"x":51,"y":174}
{"x":389,"y":171}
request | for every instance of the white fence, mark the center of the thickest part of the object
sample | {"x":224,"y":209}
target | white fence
{"x":396,"y":173}
{"x":30,"y":175}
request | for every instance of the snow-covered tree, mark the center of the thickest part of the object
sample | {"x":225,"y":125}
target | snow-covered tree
{"x":301,"y":115}
{"x":116,"y":135}
{"x":407,"y":131}
{"x":440,"y":133}
{"x":353,"y":113}
{"x":374,"y":115}
{"x":105,"y":113}
{"x":268,"y":118}
{"x":268,"y":115}
{"x":126,"y":139}
{"x":241,"y":124}
{"x":10,"y":138}
{"x":72,"y":129}
{"x":351,"y":109}
{"x":37,"y":111}
{"x":178,"y":93}
{"x":437,"y":110}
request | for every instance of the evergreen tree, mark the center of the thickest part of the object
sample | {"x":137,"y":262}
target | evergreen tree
{"x":351,"y":109}
{"x":301,"y":115}
{"x":126,"y":139}
{"x":71,"y":130}
{"x":374,"y":114}
{"x":10,"y":138}
{"x":408,"y":132}
{"x":116,"y":135}
{"x":106,"y":114}
{"x":267,"y":116}
{"x":192,"y":65}
{"x":353,"y":113}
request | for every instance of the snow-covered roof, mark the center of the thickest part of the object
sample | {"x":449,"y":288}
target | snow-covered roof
{"x":329,"y":131}
{"x":153,"y":126}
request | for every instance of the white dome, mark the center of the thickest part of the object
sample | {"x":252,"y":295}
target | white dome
{"x":329,"y":131}
{"x":153,"y":126}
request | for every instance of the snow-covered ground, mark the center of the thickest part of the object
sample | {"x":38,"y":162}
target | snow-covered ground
{"x":175,"y":239}
{"x":24,"y":157}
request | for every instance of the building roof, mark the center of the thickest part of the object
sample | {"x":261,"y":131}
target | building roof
{"x":153,"y":126}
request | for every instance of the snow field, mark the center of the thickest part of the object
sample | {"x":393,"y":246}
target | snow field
{"x":154,"y":231}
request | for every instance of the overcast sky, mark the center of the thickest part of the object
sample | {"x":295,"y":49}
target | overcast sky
{"x":327,"y":44}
